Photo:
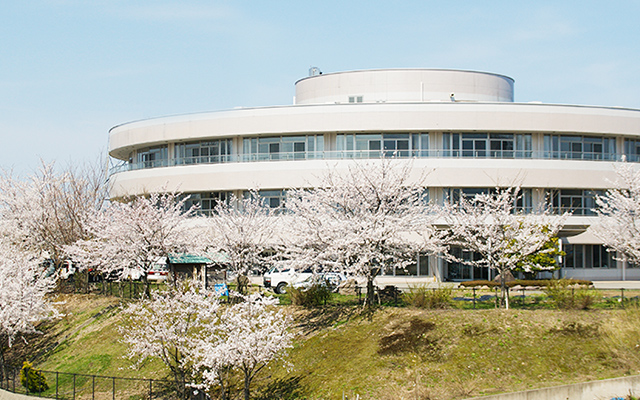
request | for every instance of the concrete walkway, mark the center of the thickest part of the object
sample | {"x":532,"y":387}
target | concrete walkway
{"x":617,"y":284}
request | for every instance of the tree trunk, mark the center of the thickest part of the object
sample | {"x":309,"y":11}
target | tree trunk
{"x":247,"y":384}
{"x":3,"y":370}
{"x":243,"y":284}
{"x":147,"y":286}
{"x":371,"y":293}
{"x":504,"y":301}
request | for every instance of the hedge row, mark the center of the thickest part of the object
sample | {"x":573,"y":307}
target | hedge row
{"x":524,"y":282}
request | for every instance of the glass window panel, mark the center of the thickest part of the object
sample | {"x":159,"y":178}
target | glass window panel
{"x":402,"y":145}
{"x":578,"y":256}
{"x":474,"y":136}
{"x":588,"y":257}
{"x":396,"y":136}
{"x":597,"y":257}
{"x":423,"y":261}
{"x":311,"y":143}
{"x":287,"y":147}
{"x":424,"y":141}
{"x":412,"y":269}
{"x":569,"y":261}
{"x":389,"y":144}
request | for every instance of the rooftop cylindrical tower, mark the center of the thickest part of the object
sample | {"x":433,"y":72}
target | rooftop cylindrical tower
{"x":404,"y":85}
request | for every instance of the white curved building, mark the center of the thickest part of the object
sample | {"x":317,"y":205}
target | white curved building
{"x":463,"y":127}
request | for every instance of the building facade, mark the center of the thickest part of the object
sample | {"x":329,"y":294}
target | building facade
{"x":462,"y":128}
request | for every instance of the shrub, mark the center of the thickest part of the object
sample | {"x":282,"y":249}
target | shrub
{"x":312,"y":296}
{"x":32,"y":379}
{"x":524,"y":282}
{"x":479,"y":283}
{"x":421,"y":296}
{"x":567,"y":298}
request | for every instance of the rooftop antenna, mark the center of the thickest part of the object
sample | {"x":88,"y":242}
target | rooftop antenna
{"x":313,"y":71}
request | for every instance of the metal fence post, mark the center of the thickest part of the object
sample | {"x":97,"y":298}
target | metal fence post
{"x":622,"y":297}
{"x":113,"y":388}
{"x":150,"y":389}
{"x":57,"y":385}
{"x":74,"y":386}
{"x":93,"y":386}
{"x":474,"y":297}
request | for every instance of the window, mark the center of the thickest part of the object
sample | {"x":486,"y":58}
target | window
{"x":524,"y":202}
{"x":283,"y":147}
{"x":632,"y":149}
{"x":418,"y":268}
{"x":355,"y":99}
{"x":215,"y":151}
{"x":462,"y":271}
{"x":494,"y":145}
{"x":206,"y":201}
{"x":270,"y":198}
{"x":152,"y":157}
{"x":578,"y":201}
{"x":587,"y":256}
{"x":579,"y":147}
{"x":373,"y":145}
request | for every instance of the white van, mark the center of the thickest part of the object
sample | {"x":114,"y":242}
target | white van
{"x":279,"y":277}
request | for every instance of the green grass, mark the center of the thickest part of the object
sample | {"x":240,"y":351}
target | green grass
{"x":390,"y":353}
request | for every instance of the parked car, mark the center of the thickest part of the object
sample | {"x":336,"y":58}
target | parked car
{"x":158,"y":272}
{"x":329,"y":279}
{"x":278,"y":278}
{"x":124,"y":274}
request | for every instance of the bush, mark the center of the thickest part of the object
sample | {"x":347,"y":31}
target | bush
{"x":564,"y":297}
{"x":421,"y":296}
{"x":490,"y":284}
{"x":32,"y":379}
{"x":313,"y":296}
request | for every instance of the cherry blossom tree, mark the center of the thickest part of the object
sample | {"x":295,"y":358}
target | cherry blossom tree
{"x":618,"y":211}
{"x":247,"y":337}
{"x":203,"y":342}
{"x":245,"y":231}
{"x":490,"y":225}
{"x":370,"y":217}
{"x":136,"y":233}
{"x":164,"y":327}
{"x":24,"y":285}
{"x":46,"y":211}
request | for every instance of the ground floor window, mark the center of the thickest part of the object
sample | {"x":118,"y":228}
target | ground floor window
{"x":588,"y":256}
{"x":461,"y":271}
{"x":420,"y":267}
{"x":206,"y":201}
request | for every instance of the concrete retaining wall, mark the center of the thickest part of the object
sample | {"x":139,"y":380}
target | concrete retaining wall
{"x":594,"y":390}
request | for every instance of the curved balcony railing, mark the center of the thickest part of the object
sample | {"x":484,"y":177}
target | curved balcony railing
{"x":373,"y":154}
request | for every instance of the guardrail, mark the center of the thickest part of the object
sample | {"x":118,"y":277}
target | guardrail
{"x":374,"y":154}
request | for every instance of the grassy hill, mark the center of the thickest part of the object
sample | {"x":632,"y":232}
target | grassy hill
{"x":392,"y":353}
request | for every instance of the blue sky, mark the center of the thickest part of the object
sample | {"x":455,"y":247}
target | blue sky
{"x":70,"y":70}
